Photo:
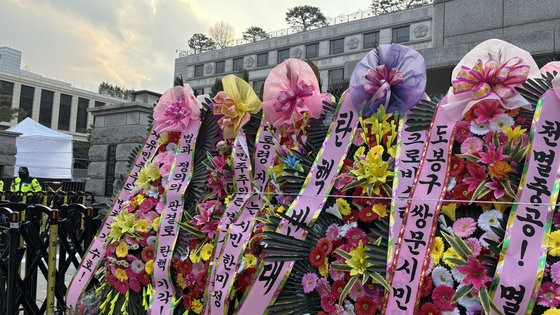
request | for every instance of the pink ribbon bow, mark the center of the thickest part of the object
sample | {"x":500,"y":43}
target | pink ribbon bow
{"x":491,"y":77}
{"x":288,"y":100}
{"x":176,"y":108}
{"x":380,"y":80}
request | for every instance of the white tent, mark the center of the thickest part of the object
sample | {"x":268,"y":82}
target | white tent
{"x":46,"y":152}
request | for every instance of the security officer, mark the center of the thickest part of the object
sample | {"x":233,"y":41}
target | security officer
{"x":1,"y":186}
{"x":24,"y":183}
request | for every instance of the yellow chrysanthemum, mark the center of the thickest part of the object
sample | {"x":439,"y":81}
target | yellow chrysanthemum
{"x":181,"y":281}
{"x":450,"y":253}
{"x":142,"y":226}
{"x":126,"y":222}
{"x":137,"y":200}
{"x":147,"y":174}
{"x":122,"y":250}
{"x":149,"y":267}
{"x":206,"y":251}
{"x":358,"y":261}
{"x":513,"y":134}
{"x":324,"y":268}
{"x":343,"y":206}
{"x":250,"y":260}
{"x":449,"y":210}
{"x":196,"y":306}
{"x":121,"y":274}
{"x":552,"y":311}
{"x":437,"y":250}
{"x":380,"y":209}
{"x":194,"y":256}
{"x":155,"y":224}
{"x":554,"y":243}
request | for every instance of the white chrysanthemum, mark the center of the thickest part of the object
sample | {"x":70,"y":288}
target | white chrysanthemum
{"x":489,"y":219}
{"x":479,"y":129}
{"x":488,"y":235}
{"x":347,"y":227}
{"x":455,"y":311}
{"x":457,"y":275}
{"x":452,"y":183}
{"x":440,"y":276}
{"x":501,"y":121}
{"x":468,"y":301}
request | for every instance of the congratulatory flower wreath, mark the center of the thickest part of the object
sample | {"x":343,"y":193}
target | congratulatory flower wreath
{"x":376,"y":201}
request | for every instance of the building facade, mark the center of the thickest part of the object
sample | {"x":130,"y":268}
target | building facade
{"x":443,"y":33}
{"x":53,"y":103}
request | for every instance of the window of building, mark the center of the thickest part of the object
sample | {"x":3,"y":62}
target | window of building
{"x":64,"y":112}
{"x":262,"y":60}
{"x":401,"y":34}
{"x":198,"y":92}
{"x":336,"y":76}
{"x":82,"y":117}
{"x":312,"y":51}
{"x":337,"y":46}
{"x":220,"y":67}
{"x":99,"y":104}
{"x":198,"y":70}
{"x":6,"y":93}
{"x":45,"y":109}
{"x":238,"y":64}
{"x":26,"y":101}
{"x":371,"y":40}
{"x":258,"y":87}
{"x":283,"y":55}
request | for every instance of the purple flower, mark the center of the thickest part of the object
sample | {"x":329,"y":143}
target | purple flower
{"x":555,"y":272}
{"x":309,"y":282}
{"x":333,"y":232}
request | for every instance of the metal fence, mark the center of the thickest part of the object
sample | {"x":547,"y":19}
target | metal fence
{"x":42,"y":236}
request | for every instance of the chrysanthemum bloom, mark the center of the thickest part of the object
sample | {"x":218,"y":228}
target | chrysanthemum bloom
{"x":489,"y":219}
{"x":309,"y":282}
{"x":464,"y":227}
{"x":549,"y":295}
{"x":442,"y":298}
{"x":364,"y":306}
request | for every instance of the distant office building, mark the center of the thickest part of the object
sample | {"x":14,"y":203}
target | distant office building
{"x":443,"y":33}
{"x":54,"y":103}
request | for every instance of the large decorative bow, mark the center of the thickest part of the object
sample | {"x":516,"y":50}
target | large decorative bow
{"x":394,"y":75}
{"x":489,"y":73}
{"x":288,"y":100}
{"x":175,"y":109}
{"x":235,"y":103}
{"x":291,"y":91}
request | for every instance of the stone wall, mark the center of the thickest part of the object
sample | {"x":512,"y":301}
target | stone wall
{"x":118,"y":129}
{"x":8,"y":152}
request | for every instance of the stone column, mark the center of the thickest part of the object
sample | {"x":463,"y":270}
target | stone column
{"x":8,"y":152}
{"x":118,"y":129}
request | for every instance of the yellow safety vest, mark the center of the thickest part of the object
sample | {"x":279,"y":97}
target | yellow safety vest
{"x":17,"y":185}
{"x":1,"y":185}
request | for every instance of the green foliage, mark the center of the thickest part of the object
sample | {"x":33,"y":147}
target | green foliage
{"x":106,"y":88}
{"x":8,"y":113}
{"x":255,"y":33}
{"x":200,"y":42}
{"x":305,"y":17}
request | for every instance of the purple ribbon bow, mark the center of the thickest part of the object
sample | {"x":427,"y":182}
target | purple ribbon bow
{"x":287,"y":100}
{"x":380,"y":80}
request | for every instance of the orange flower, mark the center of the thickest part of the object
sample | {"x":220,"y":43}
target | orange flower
{"x":500,"y":169}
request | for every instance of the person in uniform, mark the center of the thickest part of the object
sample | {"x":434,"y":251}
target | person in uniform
{"x":24,"y":183}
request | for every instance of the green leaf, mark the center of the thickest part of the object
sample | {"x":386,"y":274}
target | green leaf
{"x":341,"y":267}
{"x":354,"y":184}
{"x":347,"y":289}
{"x":463,"y":245}
{"x":484,"y":298}
{"x":456,"y":261}
{"x":462,"y":291}
{"x":507,"y":187}
{"x":191,"y":229}
{"x":453,"y":242}
{"x":470,"y":157}
{"x":478,"y":191}
{"x":381,"y":280}
{"x":343,"y":254}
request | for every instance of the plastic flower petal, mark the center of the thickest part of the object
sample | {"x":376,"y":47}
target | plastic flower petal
{"x":176,"y":108}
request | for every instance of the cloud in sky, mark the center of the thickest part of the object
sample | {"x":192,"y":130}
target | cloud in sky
{"x":129,"y":42}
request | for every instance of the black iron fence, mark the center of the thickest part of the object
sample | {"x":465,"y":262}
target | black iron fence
{"x":43,"y":236}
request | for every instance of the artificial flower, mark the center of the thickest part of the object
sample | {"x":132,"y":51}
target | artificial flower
{"x":333,"y":232}
{"x":206,"y":251}
{"x":324,"y":268}
{"x":555,"y":272}
{"x":457,"y":166}
{"x":328,"y":303}
{"x":492,"y":155}
{"x":515,"y":133}
{"x":357,"y":262}
{"x":137,"y":266}
{"x":367,"y":214}
{"x":497,"y":187}
{"x":437,"y":249}
{"x":475,"y":273}
{"x":364,"y":306}
{"x":554,"y":243}
{"x":148,"y":253}
{"x":196,"y":306}
{"x":355,"y":235}
{"x":126,"y":222}
{"x":442,"y":276}
{"x":479,"y":129}
{"x":462,"y":131}
{"x":380,"y":209}
{"x":449,"y":210}
{"x":474,"y":245}
{"x":142,"y":226}
{"x":147,"y":174}
{"x":149,"y":267}
{"x":501,"y":121}
{"x":122,"y":249}
{"x":373,"y":171}
{"x":464,"y":227}
{"x":325,"y":244}
{"x":176,"y":108}
{"x":450,"y":253}
{"x":121,"y":274}
{"x":549,"y":295}
{"x":477,"y":176}
{"x":317,"y":256}
{"x":250,"y":260}
{"x":552,"y":311}
{"x":487,"y":111}
{"x":309,"y":282}
{"x":500,"y":170}
{"x":490,"y":236}
{"x":489,"y":219}
{"x":429,"y":309}
{"x":343,"y":206}
{"x":471,"y":145}
{"x":442,"y":297}
{"x":337,"y":288}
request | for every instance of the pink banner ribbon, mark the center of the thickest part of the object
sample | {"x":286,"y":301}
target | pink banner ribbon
{"x":523,"y":256}
{"x":179,"y":180}
{"x":419,"y":222}
{"x":306,"y":207}
{"x":410,"y":147}
{"x":96,"y":251}
{"x":239,"y":232}
{"x":217,"y":289}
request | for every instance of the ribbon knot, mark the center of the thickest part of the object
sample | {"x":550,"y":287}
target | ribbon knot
{"x":491,"y":77}
{"x":288,"y":100}
{"x":380,"y":80}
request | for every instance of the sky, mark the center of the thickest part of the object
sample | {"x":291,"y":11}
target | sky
{"x":131,"y":43}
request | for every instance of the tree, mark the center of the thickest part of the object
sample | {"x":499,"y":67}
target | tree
{"x":8,"y":113}
{"x":255,"y":33}
{"x":304,"y":17}
{"x":115,"y":91}
{"x":200,"y":42}
{"x":222,"y":34}
{"x":388,"y":6}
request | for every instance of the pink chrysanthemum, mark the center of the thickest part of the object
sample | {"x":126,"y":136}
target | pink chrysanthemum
{"x":471,"y":145}
{"x":555,"y":272}
{"x":549,"y":295}
{"x":464,"y":227}
{"x":442,"y":298}
{"x":333,"y":232}
{"x":309,"y":282}
{"x":474,"y":245}
{"x":462,"y":131}
{"x":328,"y":303}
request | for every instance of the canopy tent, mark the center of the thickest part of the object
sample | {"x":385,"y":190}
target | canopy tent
{"x":46,"y":152}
